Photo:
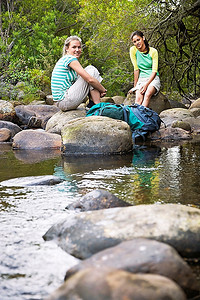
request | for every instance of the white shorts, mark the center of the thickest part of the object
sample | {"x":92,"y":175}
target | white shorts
{"x":155,"y":83}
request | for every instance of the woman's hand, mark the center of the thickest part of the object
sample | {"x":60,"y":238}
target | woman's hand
{"x":131,"y":91}
{"x":143,"y":89}
{"x":103,"y":94}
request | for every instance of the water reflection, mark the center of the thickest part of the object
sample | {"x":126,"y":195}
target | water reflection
{"x":31,"y":268}
{"x":145,"y":175}
{"x":35,"y":156}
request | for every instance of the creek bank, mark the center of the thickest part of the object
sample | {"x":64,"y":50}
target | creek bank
{"x":180,"y":124}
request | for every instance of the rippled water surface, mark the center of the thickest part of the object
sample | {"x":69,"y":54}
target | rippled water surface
{"x":31,"y":268}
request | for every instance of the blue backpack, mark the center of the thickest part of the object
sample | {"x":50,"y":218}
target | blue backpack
{"x":141,"y":120}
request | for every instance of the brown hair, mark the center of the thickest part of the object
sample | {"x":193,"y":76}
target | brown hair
{"x":141,"y":34}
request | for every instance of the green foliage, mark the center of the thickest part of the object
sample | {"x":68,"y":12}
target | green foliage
{"x":32,"y":33}
{"x":31,"y":38}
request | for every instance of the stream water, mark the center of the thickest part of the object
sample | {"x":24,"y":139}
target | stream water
{"x":31,"y":268}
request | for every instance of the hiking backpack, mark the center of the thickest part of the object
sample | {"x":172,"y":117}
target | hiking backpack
{"x":141,"y":120}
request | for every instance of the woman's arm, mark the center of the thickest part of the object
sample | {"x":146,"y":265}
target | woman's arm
{"x":136,"y":76}
{"x":76,"y":66}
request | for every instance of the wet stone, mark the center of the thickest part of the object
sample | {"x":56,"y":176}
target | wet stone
{"x":97,"y":199}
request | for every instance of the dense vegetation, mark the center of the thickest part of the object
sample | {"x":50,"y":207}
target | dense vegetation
{"x":32,"y":33}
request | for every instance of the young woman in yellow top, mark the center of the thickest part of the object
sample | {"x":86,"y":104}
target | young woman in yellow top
{"x":145,"y":63}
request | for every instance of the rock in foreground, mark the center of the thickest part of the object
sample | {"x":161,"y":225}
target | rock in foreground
{"x":111,"y":284}
{"x":143,"y":256}
{"x":87,"y":233}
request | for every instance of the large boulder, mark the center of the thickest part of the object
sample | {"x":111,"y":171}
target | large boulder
{"x":96,"y":135}
{"x":143,"y":256}
{"x":112,"y":284}
{"x":14,"y":129}
{"x":35,"y":116}
{"x":86,"y":233}
{"x":36,"y":139}
{"x":7,"y":111}
{"x":158,"y":103}
{"x":59,"y":120}
{"x":97,"y":199}
{"x":175,"y":114}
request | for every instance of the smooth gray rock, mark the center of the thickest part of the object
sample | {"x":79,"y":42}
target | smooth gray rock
{"x":118,"y":99}
{"x":143,"y":256}
{"x":170,"y":134}
{"x":195,"y":111}
{"x":32,"y":180}
{"x":5,"y":135}
{"x":194,"y":124}
{"x":96,"y":135}
{"x":35,"y":116}
{"x":14,"y":129}
{"x":175,"y":114}
{"x":59,"y":120}
{"x":111,"y":284}
{"x":36,"y":139}
{"x":87,"y":233}
{"x":97,"y":199}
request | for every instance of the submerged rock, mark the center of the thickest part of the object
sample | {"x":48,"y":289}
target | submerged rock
{"x":32,"y":180}
{"x":86,"y":233}
{"x":97,"y":199}
{"x":143,"y":256}
{"x":112,"y":284}
{"x":96,"y":135}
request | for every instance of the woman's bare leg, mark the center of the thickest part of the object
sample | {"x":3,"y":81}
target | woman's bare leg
{"x":95,"y":95}
{"x":151,"y":90}
{"x":139,"y":97}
